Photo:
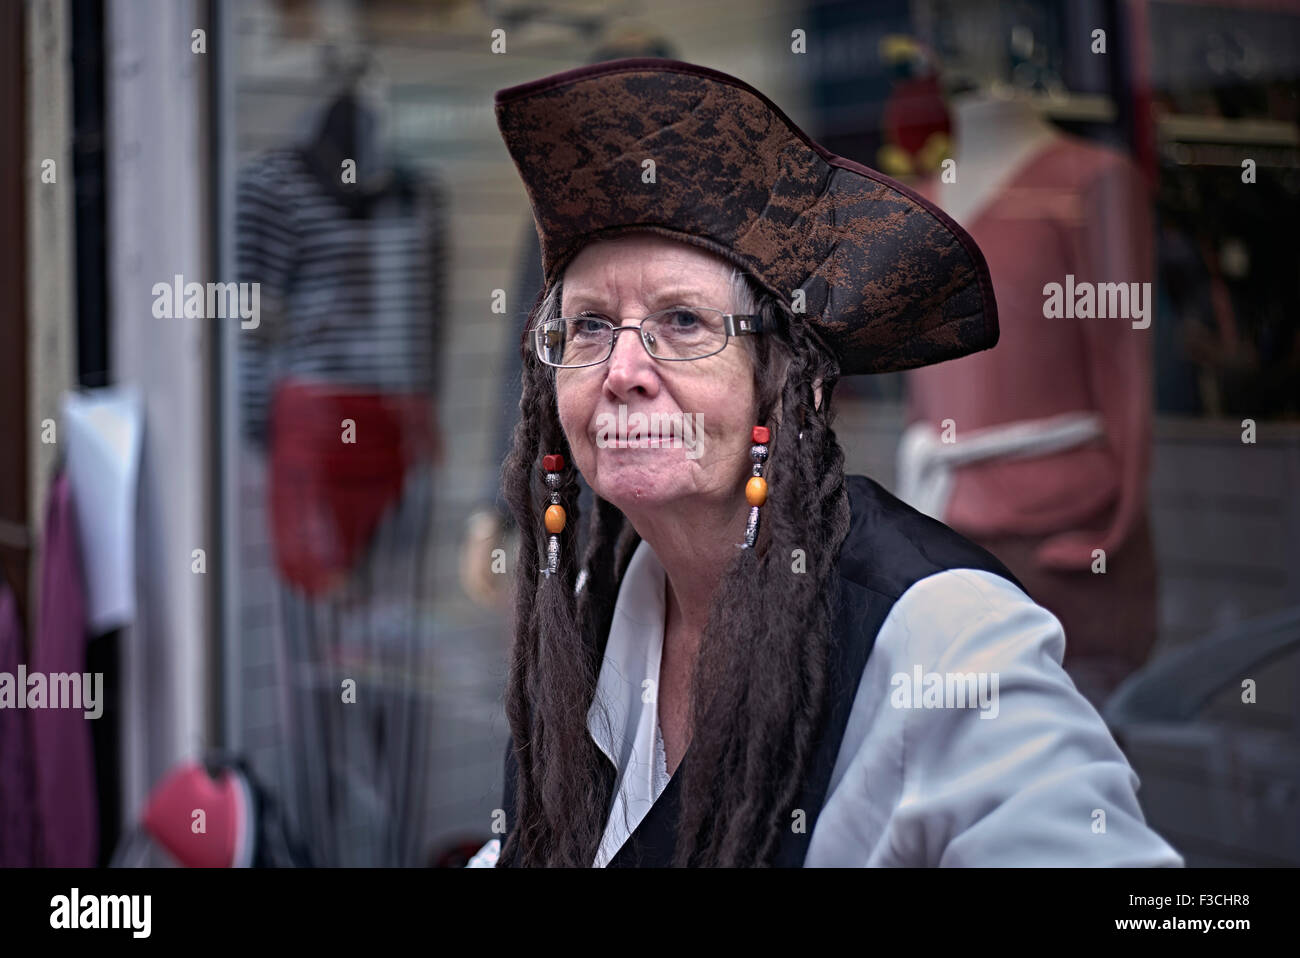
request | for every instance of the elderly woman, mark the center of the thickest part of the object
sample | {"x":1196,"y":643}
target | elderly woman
{"x":758,"y":660}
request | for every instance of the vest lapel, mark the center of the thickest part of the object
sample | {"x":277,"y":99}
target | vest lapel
{"x":651,"y":844}
{"x":860,"y":614}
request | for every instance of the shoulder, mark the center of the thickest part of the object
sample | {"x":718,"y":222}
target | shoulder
{"x":271,"y":167}
{"x":911,"y":589}
{"x":959,"y":619}
{"x":890,"y":546}
{"x":278,"y":178}
{"x":1084,"y":166}
{"x":931,"y":594}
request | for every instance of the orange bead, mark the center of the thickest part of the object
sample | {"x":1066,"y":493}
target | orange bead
{"x":756,"y":491}
{"x":555,"y":519}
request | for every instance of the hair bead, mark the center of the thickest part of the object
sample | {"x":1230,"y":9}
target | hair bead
{"x":554,"y":521}
{"x":756,"y":488}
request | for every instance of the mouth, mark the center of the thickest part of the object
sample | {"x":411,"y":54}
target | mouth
{"x":644,"y":443}
{"x":642,"y":430}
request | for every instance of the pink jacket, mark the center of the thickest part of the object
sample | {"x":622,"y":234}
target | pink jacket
{"x":1073,"y":209}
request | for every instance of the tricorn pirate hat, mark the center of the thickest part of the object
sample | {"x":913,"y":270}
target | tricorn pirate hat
{"x":889,"y":281}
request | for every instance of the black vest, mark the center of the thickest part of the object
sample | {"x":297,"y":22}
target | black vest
{"x":889,"y":547}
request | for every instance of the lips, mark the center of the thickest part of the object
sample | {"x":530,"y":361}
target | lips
{"x":644,"y":430}
{"x":644,"y":443}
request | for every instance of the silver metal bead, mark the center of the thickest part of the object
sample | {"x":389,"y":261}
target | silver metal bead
{"x":553,"y":480}
{"x":751,"y":528}
{"x":552,"y":555}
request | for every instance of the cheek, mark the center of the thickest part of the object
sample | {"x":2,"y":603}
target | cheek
{"x":738,"y":400}
{"x":574,"y":412}
{"x":729,"y":416}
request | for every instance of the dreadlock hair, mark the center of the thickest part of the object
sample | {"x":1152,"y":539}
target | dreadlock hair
{"x":759,"y":684}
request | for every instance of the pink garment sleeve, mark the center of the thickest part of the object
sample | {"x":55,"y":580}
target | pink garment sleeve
{"x":1114,"y":244}
{"x":63,"y":751}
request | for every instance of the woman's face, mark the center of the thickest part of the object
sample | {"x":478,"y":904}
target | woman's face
{"x":623,"y":280}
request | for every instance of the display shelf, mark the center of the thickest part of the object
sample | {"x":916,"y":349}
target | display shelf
{"x":1076,"y":107}
{"x":1186,"y":128}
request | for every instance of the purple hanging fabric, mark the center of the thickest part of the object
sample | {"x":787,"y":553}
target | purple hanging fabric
{"x":17,"y":809}
{"x":66,"y":801}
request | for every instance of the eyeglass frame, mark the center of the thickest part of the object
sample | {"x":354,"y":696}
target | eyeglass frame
{"x":733,"y":325}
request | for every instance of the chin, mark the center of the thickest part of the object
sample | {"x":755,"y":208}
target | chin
{"x":641,"y":478}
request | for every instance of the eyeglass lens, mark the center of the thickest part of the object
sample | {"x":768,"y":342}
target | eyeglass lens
{"x":676,"y":333}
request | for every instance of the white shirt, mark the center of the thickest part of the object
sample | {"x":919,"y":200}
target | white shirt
{"x":1030,"y":776}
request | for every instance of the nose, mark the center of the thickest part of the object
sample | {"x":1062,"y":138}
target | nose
{"x":630,"y":368}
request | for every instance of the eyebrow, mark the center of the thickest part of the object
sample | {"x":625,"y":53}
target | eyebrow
{"x":675,"y":296}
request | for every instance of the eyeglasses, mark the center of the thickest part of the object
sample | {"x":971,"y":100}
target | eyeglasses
{"x":677,"y":334}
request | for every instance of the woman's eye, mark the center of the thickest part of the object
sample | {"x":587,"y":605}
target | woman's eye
{"x":588,"y":326}
{"x":683,"y":319}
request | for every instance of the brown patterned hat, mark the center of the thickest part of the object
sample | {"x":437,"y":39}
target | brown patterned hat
{"x":890,"y":281}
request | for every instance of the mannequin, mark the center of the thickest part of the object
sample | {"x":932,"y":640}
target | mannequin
{"x":997,"y":132}
{"x":1046,"y":464}
{"x":341,"y":391}
{"x":355,"y":127}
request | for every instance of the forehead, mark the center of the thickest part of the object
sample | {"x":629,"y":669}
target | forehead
{"x":645,"y":270}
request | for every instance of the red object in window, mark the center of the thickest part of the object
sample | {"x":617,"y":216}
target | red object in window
{"x":225,"y":839}
{"x":338,"y":463}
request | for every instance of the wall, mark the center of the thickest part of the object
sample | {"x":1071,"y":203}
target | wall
{"x":51,"y":297}
{"x":158,"y":226}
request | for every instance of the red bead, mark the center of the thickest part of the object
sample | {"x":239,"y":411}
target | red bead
{"x":553,"y":463}
{"x":761,"y":434}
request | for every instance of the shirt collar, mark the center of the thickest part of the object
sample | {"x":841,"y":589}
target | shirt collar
{"x":632,"y":655}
